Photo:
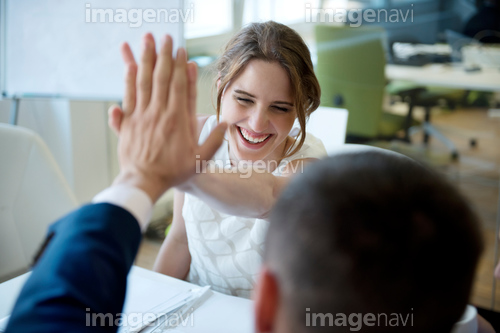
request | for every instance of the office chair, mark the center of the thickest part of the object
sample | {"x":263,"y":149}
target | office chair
{"x":351,"y":73}
{"x":427,"y":97}
{"x":34,"y":194}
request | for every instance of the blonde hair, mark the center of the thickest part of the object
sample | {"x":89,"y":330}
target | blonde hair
{"x":272,"y":41}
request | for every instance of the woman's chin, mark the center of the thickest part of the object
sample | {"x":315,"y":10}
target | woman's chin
{"x":252,"y":156}
{"x":242,"y":153}
{"x":245,"y":154}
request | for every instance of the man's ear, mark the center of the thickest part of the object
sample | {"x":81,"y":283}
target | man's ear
{"x":266,"y":296}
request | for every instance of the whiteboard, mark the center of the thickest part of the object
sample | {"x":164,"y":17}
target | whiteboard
{"x":71,"y":48}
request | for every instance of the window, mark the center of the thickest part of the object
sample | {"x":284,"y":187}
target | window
{"x":213,"y":17}
{"x":216,"y":21}
{"x":283,"y":11}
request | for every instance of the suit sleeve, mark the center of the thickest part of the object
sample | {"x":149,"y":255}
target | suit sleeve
{"x":83,"y":271}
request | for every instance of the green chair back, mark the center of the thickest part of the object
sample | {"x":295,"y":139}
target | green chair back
{"x":351,"y":73}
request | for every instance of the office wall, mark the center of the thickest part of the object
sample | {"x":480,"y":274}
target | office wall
{"x":77,"y":134}
{"x":38,"y":33}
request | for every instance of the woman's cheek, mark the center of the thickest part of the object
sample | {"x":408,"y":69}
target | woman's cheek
{"x":231,"y":112}
{"x":284,"y":124}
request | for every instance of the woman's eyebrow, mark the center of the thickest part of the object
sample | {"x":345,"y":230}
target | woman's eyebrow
{"x":239,"y":91}
{"x":283,"y":102}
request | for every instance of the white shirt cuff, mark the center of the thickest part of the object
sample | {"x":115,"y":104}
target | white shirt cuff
{"x":130,"y":198}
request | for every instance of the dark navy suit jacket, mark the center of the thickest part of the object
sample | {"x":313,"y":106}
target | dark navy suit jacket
{"x":83,"y":270}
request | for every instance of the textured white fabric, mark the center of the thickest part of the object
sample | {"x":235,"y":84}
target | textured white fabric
{"x":130,"y":198}
{"x":226,"y":251}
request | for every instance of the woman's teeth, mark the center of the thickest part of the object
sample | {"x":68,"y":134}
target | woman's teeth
{"x":252,"y":139}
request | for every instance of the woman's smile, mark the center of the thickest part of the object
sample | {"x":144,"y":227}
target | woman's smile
{"x":252,"y":137}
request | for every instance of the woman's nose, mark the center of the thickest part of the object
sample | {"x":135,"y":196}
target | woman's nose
{"x":259,"y":120}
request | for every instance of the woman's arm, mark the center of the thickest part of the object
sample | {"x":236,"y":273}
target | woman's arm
{"x":242,"y":194}
{"x":174,"y":258}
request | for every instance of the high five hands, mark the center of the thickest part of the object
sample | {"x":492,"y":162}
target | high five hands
{"x":157,"y":127}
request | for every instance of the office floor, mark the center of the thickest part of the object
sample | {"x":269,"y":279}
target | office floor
{"x":476,"y":173}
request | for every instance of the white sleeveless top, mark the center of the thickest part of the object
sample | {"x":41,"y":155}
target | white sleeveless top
{"x":226,"y":251}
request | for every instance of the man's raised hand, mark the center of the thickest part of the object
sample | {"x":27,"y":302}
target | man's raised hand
{"x":158,"y":145}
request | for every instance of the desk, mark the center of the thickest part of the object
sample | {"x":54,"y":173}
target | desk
{"x":220,"y":313}
{"x":446,"y":76}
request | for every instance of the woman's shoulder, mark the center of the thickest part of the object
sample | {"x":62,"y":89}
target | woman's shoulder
{"x":201,"y":120}
{"x":312,"y":148}
{"x":205,"y":125}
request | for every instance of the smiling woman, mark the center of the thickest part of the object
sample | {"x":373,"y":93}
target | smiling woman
{"x":289,"y":68}
{"x":265,"y":81}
